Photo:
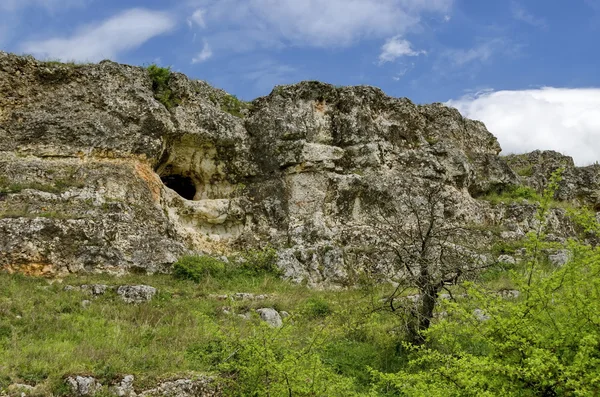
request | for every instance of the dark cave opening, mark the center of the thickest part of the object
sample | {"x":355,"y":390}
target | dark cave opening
{"x":183,"y":185}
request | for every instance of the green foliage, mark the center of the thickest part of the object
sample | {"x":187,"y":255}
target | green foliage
{"x":160,"y":77}
{"x":250,"y":264}
{"x":260,"y":262}
{"x":545,"y":343}
{"x":46,"y":334}
{"x":513,"y":194}
{"x":232,"y":105}
{"x":585,"y":219}
{"x":197,"y":268}
{"x":506,"y":247}
{"x":273,"y":362}
{"x":525,"y":171}
{"x":317,"y":308}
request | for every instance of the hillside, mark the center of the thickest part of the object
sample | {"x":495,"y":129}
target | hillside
{"x":231,"y":214}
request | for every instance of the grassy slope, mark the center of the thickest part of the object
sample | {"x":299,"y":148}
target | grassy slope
{"x":46,"y":333}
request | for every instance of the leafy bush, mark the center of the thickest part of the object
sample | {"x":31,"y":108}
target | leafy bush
{"x":317,"y":308}
{"x":270,"y":362}
{"x":160,"y":77}
{"x":260,"y":262}
{"x":197,"y":268}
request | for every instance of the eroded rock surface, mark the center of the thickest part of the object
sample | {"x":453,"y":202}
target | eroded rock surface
{"x":97,"y":175}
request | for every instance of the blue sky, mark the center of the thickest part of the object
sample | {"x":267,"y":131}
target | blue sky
{"x":527,"y":68}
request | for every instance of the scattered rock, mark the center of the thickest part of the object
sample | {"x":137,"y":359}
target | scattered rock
{"x":243,"y":296}
{"x":136,"y":293}
{"x":86,"y":303}
{"x":560,"y":258}
{"x":507,"y":259}
{"x":226,"y":310}
{"x":95,"y":289}
{"x":480,"y":315}
{"x":284,"y":314}
{"x":125,"y":388}
{"x":248,"y":296}
{"x":203,"y":387}
{"x":83,"y":385}
{"x":20,"y":388}
{"x":219,"y":297}
{"x":509,"y":293}
{"x":413,"y":298}
{"x":270,"y":316}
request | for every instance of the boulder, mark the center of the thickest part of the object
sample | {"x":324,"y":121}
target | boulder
{"x":83,"y":385}
{"x":270,"y":316}
{"x":136,"y":293}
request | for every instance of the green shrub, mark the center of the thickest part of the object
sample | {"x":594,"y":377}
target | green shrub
{"x":269,"y":362}
{"x":260,"y":262}
{"x":203,"y":354}
{"x":160,"y":77}
{"x":196,"y":268}
{"x":317,"y":308}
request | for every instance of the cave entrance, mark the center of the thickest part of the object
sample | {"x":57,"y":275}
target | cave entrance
{"x":183,"y":185}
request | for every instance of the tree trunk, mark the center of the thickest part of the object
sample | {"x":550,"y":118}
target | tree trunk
{"x":422,"y":313}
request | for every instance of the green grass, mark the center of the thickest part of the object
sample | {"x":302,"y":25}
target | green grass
{"x":46,"y":333}
{"x":513,"y":194}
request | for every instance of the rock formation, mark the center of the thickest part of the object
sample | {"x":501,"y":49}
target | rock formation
{"x":97,"y":175}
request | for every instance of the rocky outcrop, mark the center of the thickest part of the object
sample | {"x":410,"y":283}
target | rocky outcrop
{"x":581,"y":184}
{"x":97,"y":175}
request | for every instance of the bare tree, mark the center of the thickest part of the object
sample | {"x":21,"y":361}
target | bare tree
{"x":424,"y":247}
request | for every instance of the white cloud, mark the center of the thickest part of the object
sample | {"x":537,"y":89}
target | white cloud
{"x":268,"y":73}
{"x":122,"y":32}
{"x":402,"y":72}
{"x":315,"y":23}
{"x":203,"y":55}
{"x":519,"y":13}
{"x":480,"y":53}
{"x":395,"y":48}
{"x":562,"y":119}
{"x":197,"y":18}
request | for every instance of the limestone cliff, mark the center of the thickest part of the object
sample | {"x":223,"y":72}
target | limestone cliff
{"x":96,"y":174}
